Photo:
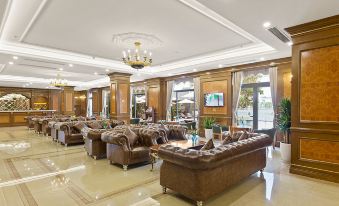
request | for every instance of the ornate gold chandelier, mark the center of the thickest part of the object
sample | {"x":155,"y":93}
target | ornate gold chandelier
{"x":137,"y":59}
{"x":58,"y":82}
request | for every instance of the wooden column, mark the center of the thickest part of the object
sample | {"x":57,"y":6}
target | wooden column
{"x":120,"y":96}
{"x":315,"y":107}
{"x":156,"y":97}
{"x":67,"y":100}
{"x":55,"y":100}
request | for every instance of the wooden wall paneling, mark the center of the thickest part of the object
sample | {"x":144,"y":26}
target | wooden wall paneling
{"x":218,"y":82}
{"x":120,"y":96}
{"x":80,"y":103}
{"x":156,"y":97}
{"x":67,"y":100}
{"x":315,"y":136}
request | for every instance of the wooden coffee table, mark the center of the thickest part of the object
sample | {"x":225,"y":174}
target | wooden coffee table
{"x":184,"y":144}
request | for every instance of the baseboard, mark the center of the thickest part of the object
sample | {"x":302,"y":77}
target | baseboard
{"x":315,"y":173}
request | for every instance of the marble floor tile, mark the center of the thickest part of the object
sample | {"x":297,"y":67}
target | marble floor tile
{"x":34,"y":170}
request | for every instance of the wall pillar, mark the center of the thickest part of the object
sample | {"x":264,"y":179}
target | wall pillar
{"x":120,"y":96}
{"x":315,"y":108}
{"x":67,"y":100}
{"x":156,"y":97}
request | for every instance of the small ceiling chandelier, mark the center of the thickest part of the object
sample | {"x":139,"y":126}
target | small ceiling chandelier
{"x":137,"y":59}
{"x":58,"y":82}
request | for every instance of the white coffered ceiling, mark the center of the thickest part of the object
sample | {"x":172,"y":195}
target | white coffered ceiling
{"x":195,"y":34}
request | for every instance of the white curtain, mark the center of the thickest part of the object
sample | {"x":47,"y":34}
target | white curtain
{"x":196,"y":82}
{"x":237,"y":78}
{"x":169,"y":94}
{"x":89,"y":103}
{"x":273,"y":73}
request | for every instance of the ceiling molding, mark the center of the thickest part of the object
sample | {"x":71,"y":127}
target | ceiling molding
{"x":34,"y":18}
{"x":5,"y":17}
{"x":204,"y":10}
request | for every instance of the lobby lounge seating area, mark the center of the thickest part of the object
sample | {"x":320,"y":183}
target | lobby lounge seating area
{"x":188,"y":102}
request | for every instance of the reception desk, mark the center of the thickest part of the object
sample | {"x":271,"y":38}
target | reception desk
{"x":17,"y":118}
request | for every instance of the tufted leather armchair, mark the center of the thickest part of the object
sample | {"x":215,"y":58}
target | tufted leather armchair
{"x":68,"y":134}
{"x":121,"y":149}
{"x":93,"y":144}
{"x":177,"y":132}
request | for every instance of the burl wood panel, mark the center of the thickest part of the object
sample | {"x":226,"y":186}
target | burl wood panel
{"x":55,"y":102}
{"x":215,"y":87}
{"x":5,"y":118}
{"x":69,"y":101}
{"x":19,"y":117}
{"x":123,"y":97}
{"x":153,"y":100}
{"x":287,"y":77}
{"x":320,"y":150}
{"x":319,"y":94}
{"x":95,"y":102}
{"x":113,"y":98}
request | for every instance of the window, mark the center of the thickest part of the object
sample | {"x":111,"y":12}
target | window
{"x":255,"y":108}
{"x":138,"y":102}
{"x":89,"y":104}
{"x":106,"y":97}
{"x":183,"y":101}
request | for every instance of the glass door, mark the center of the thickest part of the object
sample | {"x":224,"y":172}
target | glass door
{"x":255,"y":109}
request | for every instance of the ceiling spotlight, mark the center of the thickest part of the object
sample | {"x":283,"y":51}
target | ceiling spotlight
{"x":107,"y":70}
{"x":95,"y":73}
{"x":11,"y":63}
{"x":208,"y":72}
{"x":290,"y":43}
{"x":15,"y":57}
{"x":70,"y":65}
{"x":262,"y":58}
{"x":266,"y":25}
{"x":170,"y":74}
{"x":220,"y":65}
{"x":195,"y":70}
{"x":61,"y":69}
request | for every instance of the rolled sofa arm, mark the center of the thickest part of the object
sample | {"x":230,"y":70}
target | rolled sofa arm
{"x":117,"y":138}
{"x":66,"y":129}
{"x":197,"y":159}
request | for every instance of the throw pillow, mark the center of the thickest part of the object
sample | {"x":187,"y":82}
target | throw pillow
{"x":79,"y":126}
{"x":209,"y":145}
{"x":228,"y":139}
{"x":236,"y":136}
{"x":245,"y":135}
{"x":95,"y":125}
{"x":132,"y":137}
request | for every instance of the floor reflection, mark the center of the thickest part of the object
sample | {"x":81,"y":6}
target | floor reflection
{"x":14,"y":147}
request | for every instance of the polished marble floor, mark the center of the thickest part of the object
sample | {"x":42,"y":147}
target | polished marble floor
{"x":34,"y":170}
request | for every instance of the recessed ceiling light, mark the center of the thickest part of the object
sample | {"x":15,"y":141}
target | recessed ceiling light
{"x":289,"y":43}
{"x":70,"y":65}
{"x":262,"y":58}
{"x":11,"y":63}
{"x":107,"y":70}
{"x":170,"y":74}
{"x":220,"y":65}
{"x":266,"y":25}
{"x":208,"y":73}
{"x":15,"y":57}
{"x":30,"y":83}
{"x":95,"y":73}
{"x":195,"y":70}
{"x":61,"y":69}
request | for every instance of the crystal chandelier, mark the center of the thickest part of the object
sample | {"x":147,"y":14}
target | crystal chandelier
{"x":58,"y":82}
{"x":137,"y":59}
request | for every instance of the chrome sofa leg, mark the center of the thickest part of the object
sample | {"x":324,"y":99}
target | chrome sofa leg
{"x":95,"y":157}
{"x":199,"y":203}
{"x":65,"y":145}
{"x":125,"y":167}
{"x":261,"y":171}
{"x":164,"y":190}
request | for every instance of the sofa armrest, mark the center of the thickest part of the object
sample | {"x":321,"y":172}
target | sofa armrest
{"x":116,"y":138}
{"x":66,"y":129}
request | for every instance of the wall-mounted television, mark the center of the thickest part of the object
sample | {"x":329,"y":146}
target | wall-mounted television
{"x":214,"y":100}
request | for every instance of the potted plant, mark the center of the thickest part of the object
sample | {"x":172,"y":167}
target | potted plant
{"x":208,"y":124}
{"x":284,"y":125}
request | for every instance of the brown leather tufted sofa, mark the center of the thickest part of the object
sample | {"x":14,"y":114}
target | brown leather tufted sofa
{"x":200,"y":175}
{"x":120,"y":150}
{"x":93,"y":144}
{"x":170,"y":132}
